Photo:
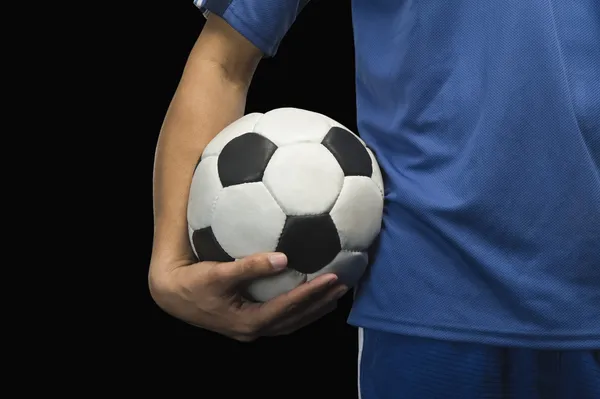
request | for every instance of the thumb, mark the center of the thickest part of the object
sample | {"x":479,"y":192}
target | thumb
{"x":251,"y":267}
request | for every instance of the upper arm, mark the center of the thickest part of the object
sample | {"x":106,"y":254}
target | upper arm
{"x":238,"y":33}
{"x":221,"y":45}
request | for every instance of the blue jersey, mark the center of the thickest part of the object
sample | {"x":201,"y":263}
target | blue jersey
{"x":485,"y":118}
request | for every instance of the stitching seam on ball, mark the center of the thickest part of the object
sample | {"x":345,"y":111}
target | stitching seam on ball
{"x":307,"y":141}
{"x":352,"y":251}
{"x":213,"y":206}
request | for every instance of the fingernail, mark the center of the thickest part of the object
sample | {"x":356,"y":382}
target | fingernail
{"x":332,"y":280}
{"x":278,"y":261}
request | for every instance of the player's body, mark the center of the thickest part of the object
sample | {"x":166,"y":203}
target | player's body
{"x":485,"y":118}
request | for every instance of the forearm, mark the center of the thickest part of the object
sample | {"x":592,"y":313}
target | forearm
{"x":206,"y":101}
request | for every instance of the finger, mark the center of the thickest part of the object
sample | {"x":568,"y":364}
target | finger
{"x":326,"y":304}
{"x":294,"y":300}
{"x":249,"y":268}
{"x":289,"y":326}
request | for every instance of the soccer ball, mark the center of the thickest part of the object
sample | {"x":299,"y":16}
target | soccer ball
{"x":291,"y":181}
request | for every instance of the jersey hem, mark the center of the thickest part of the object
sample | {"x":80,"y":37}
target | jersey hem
{"x":505,"y":339}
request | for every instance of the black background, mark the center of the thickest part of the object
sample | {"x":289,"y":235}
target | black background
{"x":313,"y":69}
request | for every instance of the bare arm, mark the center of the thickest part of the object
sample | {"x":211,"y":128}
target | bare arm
{"x":211,"y":94}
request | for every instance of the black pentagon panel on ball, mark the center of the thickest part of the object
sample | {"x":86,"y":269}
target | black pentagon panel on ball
{"x":207,"y":247}
{"x":244,"y":159}
{"x":310,"y":242}
{"x":349,"y":152}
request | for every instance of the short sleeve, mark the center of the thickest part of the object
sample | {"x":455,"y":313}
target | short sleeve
{"x":263,"y":22}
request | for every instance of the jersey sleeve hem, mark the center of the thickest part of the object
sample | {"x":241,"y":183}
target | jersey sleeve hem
{"x":225,"y":10}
